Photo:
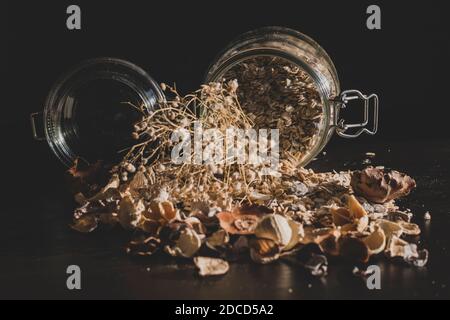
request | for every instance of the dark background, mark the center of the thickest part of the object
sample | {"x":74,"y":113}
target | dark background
{"x":406,"y":63}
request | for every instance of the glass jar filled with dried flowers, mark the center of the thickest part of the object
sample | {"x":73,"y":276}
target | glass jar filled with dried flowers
{"x":287,"y":81}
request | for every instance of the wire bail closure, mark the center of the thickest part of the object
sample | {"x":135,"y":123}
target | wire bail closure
{"x":341,"y":103}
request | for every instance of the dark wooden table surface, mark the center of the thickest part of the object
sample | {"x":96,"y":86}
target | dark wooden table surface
{"x":37,"y":246}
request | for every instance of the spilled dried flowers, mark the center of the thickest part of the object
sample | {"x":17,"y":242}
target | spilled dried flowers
{"x":219,"y":213}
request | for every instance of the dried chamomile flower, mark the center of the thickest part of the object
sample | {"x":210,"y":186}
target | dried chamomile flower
{"x":211,"y":266}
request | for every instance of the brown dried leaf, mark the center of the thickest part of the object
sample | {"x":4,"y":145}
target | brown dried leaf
{"x":379,"y":186}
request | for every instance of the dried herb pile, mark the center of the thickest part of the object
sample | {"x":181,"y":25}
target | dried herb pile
{"x":219,"y":213}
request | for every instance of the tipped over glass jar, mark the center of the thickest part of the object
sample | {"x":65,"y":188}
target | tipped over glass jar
{"x":286,"y":81}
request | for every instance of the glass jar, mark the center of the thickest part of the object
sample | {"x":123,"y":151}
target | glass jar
{"x":303,"y":52}
{"x":90,"y":111}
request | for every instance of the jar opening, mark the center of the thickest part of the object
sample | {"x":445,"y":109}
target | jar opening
{"x":90,"y":113}
{"x":98,"y":117}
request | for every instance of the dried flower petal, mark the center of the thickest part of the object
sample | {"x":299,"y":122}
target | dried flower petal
{"x":211,"y":266}
{"x":317,"y":265}
{"x":297,"y":234}
{"x":187,"y":244}
{"x":379,"y":186}
{"x":355,"y":208}
{"x":274,"y":227}
{"x":144,"y":247}
{"x":400,"y":248}
{"x":85,"y":224}
{"x":341,"y":216}
{"x":264,"y":251}
{"x":354,"y":249}
{"x":376,"y":242}
{"x":218,"y":239}
{"x":390,"y":228}
{"x":130,"y":212}
{"x":410,"y":229}
{"x":242,"y":220}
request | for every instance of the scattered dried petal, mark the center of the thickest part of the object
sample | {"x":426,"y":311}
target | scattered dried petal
{"x":376,"y":242}
{"x":379,"y":186}
{"x":85,"y":224}
{"x":211,"y":266}
{"x":274,"y":227}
